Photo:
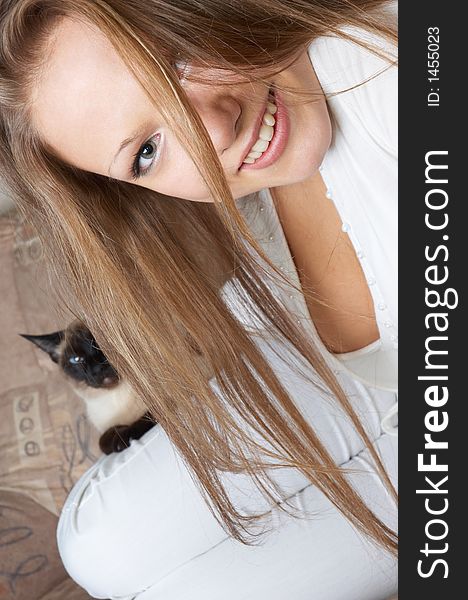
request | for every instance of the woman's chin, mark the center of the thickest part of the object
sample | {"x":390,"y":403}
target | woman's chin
{"x":297,"y":172}
{"x":298,"y":169}
{"x":302,"y":159}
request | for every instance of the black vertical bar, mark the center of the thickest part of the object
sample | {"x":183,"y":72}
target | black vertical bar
{"x":433,"y":257}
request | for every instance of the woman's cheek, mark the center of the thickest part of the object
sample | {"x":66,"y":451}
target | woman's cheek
{"x":178,"y":176}
{"x":188,"y":185}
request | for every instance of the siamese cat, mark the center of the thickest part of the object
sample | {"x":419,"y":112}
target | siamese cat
{"x":111,"y":405}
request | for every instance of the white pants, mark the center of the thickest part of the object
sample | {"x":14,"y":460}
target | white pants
{"x":136,"y":526}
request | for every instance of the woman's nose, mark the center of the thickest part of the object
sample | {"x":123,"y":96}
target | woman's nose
{"x":219,"y":111}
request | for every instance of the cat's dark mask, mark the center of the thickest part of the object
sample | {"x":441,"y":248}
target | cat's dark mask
{"x":76,"y":351}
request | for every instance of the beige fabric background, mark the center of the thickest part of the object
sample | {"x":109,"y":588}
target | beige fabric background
{"x":5,"y":202}
{"x":46,"y":442}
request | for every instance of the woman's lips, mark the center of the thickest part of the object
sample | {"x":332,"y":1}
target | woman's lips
{"x":278,"y":141}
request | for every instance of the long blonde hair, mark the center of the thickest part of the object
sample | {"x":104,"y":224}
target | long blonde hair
{"x":144,"y":271}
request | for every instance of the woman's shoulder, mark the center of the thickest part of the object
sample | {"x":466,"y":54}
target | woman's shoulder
{"x":344,"y":60}
{"x":361,"y":87}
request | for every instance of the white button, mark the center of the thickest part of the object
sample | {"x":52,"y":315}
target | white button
{"x":388,"y":422}
{"x":345,"y":227}
{"x":321,"y":169}
{"x":270,"y":238}
{"x":328,"y":194}
{"x":262,"y":208}
{"x":360,"y":254}
{"x":382,"y":306}
{"x":388,"y":324}
{"x":371,"y":281}
{"x":281,"y":268}
{"x":291,"y":296}
{"x":394,"y":338}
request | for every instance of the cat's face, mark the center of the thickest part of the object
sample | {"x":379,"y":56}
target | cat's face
{"x":78,"y":354}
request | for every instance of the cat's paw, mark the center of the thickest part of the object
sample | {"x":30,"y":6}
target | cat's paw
{"x":115,"y":439}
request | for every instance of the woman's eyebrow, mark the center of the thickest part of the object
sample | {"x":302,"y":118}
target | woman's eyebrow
{"x":127,"y":141}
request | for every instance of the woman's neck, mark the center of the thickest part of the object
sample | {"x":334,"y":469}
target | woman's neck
{"x":339,"y":300}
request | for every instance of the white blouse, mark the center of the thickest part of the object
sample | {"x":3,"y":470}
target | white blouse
{"x":136,"y":526}
{"x":360,"y":172}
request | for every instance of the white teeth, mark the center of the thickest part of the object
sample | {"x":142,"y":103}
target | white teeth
{"x":260,"y":146}
{"x":271,"y":108}
{"x":264,"y":135}
{"x":266,"y":132}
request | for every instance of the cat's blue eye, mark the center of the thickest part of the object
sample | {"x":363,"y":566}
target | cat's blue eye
{"x":76,"y":360}
{"x":145,"y":158}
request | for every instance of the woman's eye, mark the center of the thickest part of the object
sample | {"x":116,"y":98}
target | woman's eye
{"x":145,"y":158}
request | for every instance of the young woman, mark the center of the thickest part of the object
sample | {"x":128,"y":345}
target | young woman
{"x":222,"y":174}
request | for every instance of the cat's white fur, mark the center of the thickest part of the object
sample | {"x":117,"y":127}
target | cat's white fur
{"x":108,"y":407}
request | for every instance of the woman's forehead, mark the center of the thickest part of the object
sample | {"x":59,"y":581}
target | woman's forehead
{"x":86,"y":99}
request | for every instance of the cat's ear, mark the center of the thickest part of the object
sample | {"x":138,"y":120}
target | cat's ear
{"x":49,"y":342}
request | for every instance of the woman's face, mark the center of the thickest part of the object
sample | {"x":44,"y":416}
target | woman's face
{"x":95,"y":116}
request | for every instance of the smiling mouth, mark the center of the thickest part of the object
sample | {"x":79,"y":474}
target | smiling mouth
{"x":265,"y":133}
